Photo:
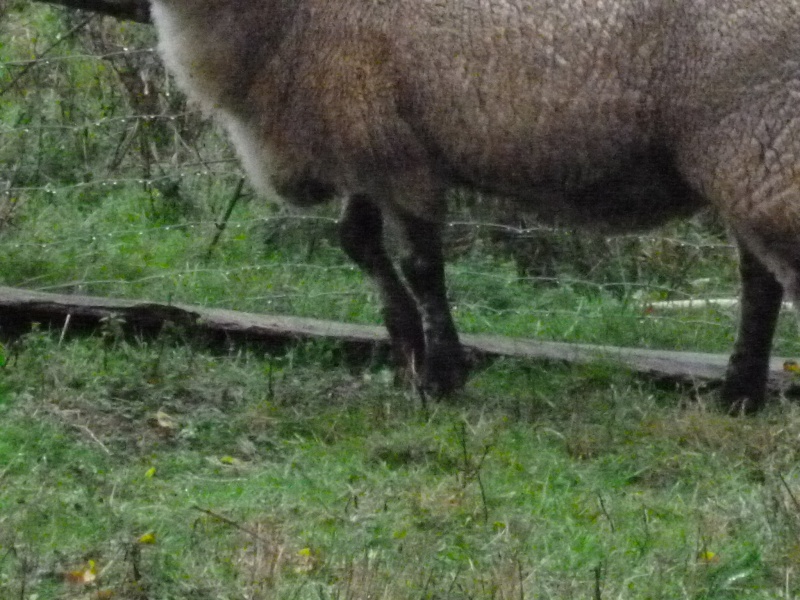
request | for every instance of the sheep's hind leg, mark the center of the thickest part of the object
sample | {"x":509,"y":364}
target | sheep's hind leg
{"x":445,"y":367}
{"x":745,"y":384}
{"x":361,"y":237}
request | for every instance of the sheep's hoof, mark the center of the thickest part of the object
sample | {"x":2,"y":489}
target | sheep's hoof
{"x":738,"y":400}
{"x":445,"y":371}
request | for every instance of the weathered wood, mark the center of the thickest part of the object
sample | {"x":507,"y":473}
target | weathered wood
{"x":699,"y":303}
{"x":132,"y":10}
{"x":18,"y":308}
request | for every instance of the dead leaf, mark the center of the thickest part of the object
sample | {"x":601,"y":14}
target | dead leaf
{"x":84,"y":575}
{"x":708,"y":557}
{"x":147,"y":538}
{"x":164,"y":423}
{"x":791,"y":366}
{"x":306,"y":561}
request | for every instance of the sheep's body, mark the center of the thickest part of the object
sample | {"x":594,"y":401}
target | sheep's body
{"x":618,"y":114}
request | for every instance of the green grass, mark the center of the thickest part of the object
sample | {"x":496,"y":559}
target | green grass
{"x":536,"y":482}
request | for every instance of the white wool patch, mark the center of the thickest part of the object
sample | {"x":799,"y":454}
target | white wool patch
{"x":199,"y":62}
{"x":201,"y":66}
{"x":255,"y":154}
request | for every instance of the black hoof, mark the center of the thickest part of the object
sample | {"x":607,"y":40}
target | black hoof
{"x":444,"y":371}
{"x":737,"y":400}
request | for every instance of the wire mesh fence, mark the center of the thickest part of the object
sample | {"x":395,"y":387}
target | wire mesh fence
{"x":111,"y":184}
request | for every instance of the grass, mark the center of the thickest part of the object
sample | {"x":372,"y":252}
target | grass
{"x":296,"y":476}
{"x":162,"y":469}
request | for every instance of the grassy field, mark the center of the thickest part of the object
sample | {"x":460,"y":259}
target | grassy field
{"x":161,"y":468}
{"x":153,"y":469}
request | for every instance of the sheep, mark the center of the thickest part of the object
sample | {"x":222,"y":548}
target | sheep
{"x":618,"y":115}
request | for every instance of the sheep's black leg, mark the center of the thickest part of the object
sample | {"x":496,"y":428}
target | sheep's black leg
{"x":445,"y":367}
{"x":745,"y":384}
{"x":361,"y":237}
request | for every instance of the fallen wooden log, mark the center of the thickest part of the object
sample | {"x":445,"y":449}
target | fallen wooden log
{"x":698,"y":303}
{"x":19,"y":308}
